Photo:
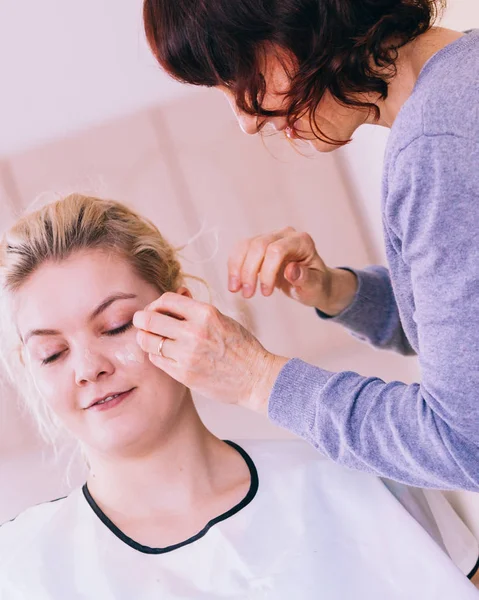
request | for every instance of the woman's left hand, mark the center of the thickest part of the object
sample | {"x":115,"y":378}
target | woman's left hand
{"x":207,"y":351}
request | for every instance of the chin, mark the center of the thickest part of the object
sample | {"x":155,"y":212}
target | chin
{"x":323,"y":147}
{"x":121,"y":435}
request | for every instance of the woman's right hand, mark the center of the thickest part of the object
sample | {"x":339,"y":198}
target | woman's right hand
{"x":288,"y":260}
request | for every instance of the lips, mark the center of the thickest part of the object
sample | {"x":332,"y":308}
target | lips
{"x":103,"y":400}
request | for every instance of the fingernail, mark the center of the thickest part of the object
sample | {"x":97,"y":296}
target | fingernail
{"x":295,"y":273}
{"x":233,"y":284}
{"x":264,"y":289}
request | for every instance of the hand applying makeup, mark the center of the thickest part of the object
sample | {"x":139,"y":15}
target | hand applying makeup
{"x":207,"y":351}
{"x":213,"y":354}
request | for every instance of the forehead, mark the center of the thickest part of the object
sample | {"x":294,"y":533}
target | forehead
{"x":59,"y":293}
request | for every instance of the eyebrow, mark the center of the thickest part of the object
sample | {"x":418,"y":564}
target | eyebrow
{"x":98,"y":310}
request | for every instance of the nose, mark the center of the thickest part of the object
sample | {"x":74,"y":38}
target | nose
{"x":91,"y":366}
{"x":248,"y":123}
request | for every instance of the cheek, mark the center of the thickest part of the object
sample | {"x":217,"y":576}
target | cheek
{"x":273,"y":101}
{"x":51,"y":387}
{"x":160,"y":391}
{"x":126,"y":354}
{"x":130,"y":353}
{"x":131,"y":360}
{"x":157,"y":379}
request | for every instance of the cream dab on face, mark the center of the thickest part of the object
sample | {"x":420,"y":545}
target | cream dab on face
{"x":130,"y":353}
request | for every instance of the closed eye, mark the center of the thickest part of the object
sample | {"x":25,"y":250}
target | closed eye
{"x":117,"y":331}
{"x":52,"y":358}
{"x":121,"y":329}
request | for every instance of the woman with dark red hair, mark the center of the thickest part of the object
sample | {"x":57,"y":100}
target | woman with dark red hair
{"x":317,"y":70}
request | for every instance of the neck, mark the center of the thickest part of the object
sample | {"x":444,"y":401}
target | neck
{"x":172,"y":475}
{"x":411,"y":59}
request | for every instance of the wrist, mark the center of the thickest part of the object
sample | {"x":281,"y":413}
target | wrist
{"x":268,"y":367}
{"x":342,"y":291}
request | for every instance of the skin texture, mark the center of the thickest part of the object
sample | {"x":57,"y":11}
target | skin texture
{"x":154,"y":439}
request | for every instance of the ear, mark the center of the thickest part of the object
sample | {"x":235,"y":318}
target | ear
{"x":184,"y":291}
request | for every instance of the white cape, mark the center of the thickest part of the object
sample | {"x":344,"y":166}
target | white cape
{"x":309,"y":530}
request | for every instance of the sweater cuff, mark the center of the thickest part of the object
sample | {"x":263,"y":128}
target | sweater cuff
{"x":293,"y":399}
{"x":366,"y":294}
{"x":325,"y":316}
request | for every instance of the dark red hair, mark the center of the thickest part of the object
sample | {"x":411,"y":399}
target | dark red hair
{"x":346,"y":47}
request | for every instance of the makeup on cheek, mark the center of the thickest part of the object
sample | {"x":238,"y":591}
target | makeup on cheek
{"x":124,"y":352}
{"x":130,"y":353}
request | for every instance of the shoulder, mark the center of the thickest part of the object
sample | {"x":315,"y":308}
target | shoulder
{"x":444,"y":101}
{"x":431,"y":184}
{"x":292,"y":460}
{"x":22,"y":531}
{"x":285,"y":453}
{"x":294,"y":473}
{"x":450,"y":90}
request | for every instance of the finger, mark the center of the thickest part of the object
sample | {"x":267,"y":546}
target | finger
{"x":277,"y":255}
{"x":253,"y":262}
{"x":235,"y":264}
{"x":153,"y":344}
{"x":238,"y":256}
{"x":157,"y":323}
{"x":294,"y":274}
{"x":169,"y":366}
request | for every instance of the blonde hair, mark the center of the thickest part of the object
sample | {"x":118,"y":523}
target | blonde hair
{"x":56,"y":231}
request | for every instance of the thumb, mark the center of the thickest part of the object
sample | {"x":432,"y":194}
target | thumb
{"x":294,"y":274}
{"x":307,"y":283}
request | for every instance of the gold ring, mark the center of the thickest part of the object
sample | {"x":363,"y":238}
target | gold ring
{"x":160,"y":347}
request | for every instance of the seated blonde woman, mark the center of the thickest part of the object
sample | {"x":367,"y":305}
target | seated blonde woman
{"x":169,"y":510}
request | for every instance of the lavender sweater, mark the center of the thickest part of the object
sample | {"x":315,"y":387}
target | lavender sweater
{"x":427,"y":302}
